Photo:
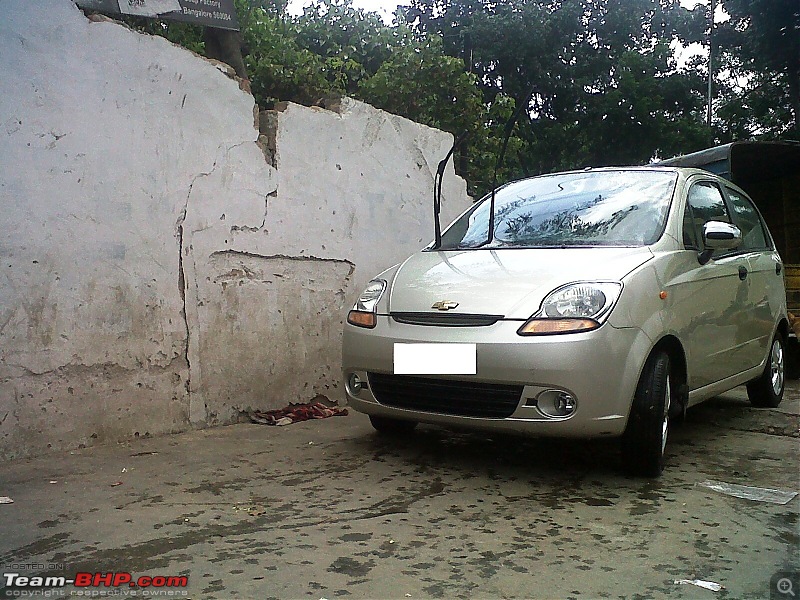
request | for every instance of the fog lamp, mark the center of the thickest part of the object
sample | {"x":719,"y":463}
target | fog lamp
{"x":355,"y":384}
{"x":556,"y":404}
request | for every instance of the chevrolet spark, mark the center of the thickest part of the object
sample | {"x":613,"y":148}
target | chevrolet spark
{"x":596,"y":303}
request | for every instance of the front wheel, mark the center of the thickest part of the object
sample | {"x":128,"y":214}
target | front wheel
{"x":645,"y":435}
{"x":767,"y":390}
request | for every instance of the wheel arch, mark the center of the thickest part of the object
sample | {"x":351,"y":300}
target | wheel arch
{"x":677,"y":357}
{"x":783,"y":329}
{"x":679,"y":369}
{"x":672,"y":346}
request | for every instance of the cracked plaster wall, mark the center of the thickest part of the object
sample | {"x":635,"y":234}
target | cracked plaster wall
{"x":105,"y":134}
{"x":157,"y":272}
{"x":354,"y":197}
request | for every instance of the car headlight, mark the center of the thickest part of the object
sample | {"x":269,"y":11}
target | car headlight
{"x":364,"y":312}
{"x":573,"y":308}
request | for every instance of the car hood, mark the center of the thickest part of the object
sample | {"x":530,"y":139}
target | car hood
{"x":507,"y":282}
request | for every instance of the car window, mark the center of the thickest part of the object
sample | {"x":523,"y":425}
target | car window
{"x":600,"y":208}
{"x":705,"y":203}
{"x":747,"y":219}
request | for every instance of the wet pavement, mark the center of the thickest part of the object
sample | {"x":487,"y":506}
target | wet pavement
{"x":330,"y":509}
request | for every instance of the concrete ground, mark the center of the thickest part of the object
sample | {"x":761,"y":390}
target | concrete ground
{"x":329,"y":509}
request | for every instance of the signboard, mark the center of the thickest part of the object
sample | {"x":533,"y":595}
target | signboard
{"x":210,"y":13}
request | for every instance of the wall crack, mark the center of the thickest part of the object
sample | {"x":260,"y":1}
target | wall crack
{"x":184,"y":247}
{"x":250,"y":229}
{"x":187,"y":276}
{"x":182,"y":292}
{"x":282,"y":257}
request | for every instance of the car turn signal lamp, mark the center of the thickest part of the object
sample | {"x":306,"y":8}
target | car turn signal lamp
{"x":553,"y":326}
{"x":361,"y":318}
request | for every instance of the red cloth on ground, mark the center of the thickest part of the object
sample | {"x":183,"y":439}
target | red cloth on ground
{"x":294,"y":413}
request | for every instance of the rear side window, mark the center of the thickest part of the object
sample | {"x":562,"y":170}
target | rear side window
{"x":746,"y":218}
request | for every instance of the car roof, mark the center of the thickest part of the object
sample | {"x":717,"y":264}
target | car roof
{"x":685,"y":171}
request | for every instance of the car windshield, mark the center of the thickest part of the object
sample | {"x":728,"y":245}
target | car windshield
{"x":600,"y":208}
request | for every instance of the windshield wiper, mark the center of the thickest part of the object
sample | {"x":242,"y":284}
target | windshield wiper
{"x":509,"y":128}
{"x":437,"y":192}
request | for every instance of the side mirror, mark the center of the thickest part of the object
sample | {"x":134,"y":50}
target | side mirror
{"x":718,"y":236}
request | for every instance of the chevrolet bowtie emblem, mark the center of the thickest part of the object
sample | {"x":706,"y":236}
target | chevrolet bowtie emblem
{"x":444,"y":305}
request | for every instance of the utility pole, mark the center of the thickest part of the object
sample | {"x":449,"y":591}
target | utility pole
{"x":710,"y":62}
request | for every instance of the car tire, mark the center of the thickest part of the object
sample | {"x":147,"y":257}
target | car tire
{"x":767,"y":390}
{"x":645,"y":435}
{"x":389,"y":426}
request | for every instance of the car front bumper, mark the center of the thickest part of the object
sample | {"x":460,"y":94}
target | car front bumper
{"x":599,"y":369}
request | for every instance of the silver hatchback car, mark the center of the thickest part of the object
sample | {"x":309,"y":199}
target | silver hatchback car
{"x":595,"y":303}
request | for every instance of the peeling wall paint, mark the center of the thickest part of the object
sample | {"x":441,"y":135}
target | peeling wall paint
{"x":270,"y":330}
{"x":353,"y":197}
{"x":360,"y":180}
{"x":165,"y":264}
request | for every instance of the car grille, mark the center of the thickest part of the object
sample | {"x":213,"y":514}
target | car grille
{"x":438,"y":319}
{"x":445,"y":396}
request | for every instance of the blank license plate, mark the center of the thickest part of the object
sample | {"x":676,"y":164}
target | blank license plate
{"x":435,"y":359}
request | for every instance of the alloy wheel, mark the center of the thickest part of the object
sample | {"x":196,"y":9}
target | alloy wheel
{"x":777,"y":367}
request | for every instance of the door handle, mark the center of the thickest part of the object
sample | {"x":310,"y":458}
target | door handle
{"x":742,"y":273}
{"x":778,"y":268}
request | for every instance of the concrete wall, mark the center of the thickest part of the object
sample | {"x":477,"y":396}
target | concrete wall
{"x":165,"y":265}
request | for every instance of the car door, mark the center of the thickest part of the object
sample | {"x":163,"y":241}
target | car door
{"x":763,"y":279}
{"x":713,"y":296}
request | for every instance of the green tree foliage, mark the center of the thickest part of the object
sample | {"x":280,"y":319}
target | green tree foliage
{"x":600,"y":77}
{"x":421,"y":83}
{"x":759,"y":70}
{"x":184,"y":34}
{"x":352,"y":43}
{"x":279,"y":67}
{"x":597,"y":80}
{"x":334,"y":48}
